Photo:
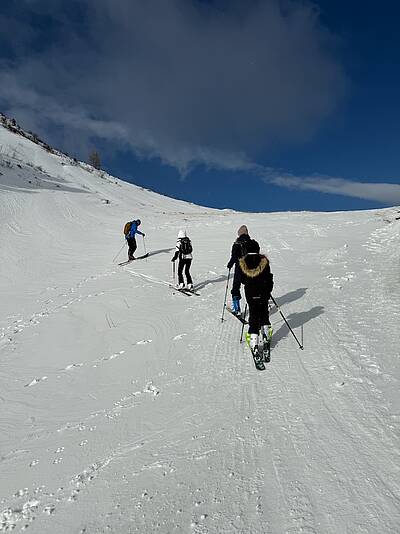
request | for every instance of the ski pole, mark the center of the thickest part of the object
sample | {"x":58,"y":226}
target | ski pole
{"x":244,"y":317}
{"x":120,"y":250}
{"x":226,"y":292}
{"x":144,"y":245}
{"x":288,"y":325}
{"x":173,"y":272}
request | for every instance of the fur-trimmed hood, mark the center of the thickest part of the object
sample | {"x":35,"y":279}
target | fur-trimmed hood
{"x":253,"y":265}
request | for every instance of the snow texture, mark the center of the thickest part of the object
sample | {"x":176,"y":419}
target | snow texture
{"x":128,"y":408}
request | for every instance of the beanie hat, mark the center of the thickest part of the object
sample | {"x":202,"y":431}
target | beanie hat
{"x":253,"y":247}
{"x":243,"y":230}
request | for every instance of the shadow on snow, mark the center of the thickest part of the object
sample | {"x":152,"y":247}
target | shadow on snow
{"x":160,"y":251}
{"x":296,"y":320}
{"x":205,"y":283}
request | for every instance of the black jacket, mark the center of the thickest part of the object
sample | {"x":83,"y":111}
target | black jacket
{"x":238,"y":249}
{"x":255,"y":274}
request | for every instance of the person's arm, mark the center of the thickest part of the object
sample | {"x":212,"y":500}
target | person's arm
{"x":271,"y":282}
{"x":139,"y":232}
{"x":177,"y":250}
{"x":267,"y":280}
{"x":233,"y":259}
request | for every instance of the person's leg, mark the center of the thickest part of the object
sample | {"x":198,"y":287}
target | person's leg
{"x":132,"y":247}
{"x":235,"y":291}
{"x":264,"y":319}
{"x":189,"y":280}
{"x":252,"y":333}
{"x":264,"y":311}
{"x":180,"y":272}
{"x":258,"y":311}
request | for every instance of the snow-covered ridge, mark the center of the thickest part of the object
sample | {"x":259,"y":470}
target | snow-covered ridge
{"x":126,"y":407}
{"x":12,"y":125}
{"x":19,"y":150}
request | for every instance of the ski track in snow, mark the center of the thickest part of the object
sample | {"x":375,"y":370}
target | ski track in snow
{"x":129,"y":408}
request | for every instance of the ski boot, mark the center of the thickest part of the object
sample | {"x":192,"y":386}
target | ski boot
{"x":236,"y":305}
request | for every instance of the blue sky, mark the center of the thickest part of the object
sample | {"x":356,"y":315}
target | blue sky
{"x":256,"y":105}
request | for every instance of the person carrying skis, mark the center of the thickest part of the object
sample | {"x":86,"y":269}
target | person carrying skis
{"x":255,"y":274}
{"x":239,"y":249}
{"x":130,"y":230}
{"x":183,"y":251}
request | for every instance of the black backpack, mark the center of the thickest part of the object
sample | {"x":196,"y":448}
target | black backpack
{"x":186,"y":246}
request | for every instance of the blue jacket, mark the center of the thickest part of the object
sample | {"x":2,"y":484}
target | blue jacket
{"x":134,"y":230}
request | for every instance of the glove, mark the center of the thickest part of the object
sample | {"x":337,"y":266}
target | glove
{"x":143,"y":235}
{"x":173,"y":259}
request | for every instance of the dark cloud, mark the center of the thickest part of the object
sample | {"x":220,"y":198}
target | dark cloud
{"x":183,"y":80}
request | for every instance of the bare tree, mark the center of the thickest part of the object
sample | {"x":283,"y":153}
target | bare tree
{"x":94,"y":159}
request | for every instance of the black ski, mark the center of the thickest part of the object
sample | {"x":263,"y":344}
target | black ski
{"x":238,"y":316}
{"x":182,"y":290}
{"x":258,"y":359}
{"x":192,"y":291}
{"x":138,"y":258}
{"x":266,"y":352}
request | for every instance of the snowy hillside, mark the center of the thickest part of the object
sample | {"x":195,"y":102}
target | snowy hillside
{"x":127,"y":407}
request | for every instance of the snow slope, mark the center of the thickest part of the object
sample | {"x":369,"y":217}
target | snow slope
{"x":127,"y":407}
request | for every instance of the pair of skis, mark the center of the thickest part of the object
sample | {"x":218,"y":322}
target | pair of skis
{"x":184,"y":290}
{"x":260,"y":357}
{"x":138,"y":258}
{"x":263,"y":356}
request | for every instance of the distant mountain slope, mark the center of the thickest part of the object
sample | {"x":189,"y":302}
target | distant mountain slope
{"x":126,"y":406}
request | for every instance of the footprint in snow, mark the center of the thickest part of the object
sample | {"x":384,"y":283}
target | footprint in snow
{"x":179,"y":336}
{"x":72,"y":365}
{"x":151,"y":388}
{"x":144,"y":341}
{"x":35,"y":381}
{"x":113,"y":356}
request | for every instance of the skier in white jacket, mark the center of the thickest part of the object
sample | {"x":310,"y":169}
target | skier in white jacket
{"x":183,"y":251}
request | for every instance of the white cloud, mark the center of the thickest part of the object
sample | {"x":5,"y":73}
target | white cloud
{"x":385,"y":193}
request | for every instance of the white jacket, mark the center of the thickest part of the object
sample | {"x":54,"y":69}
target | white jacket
{"x":180,"y":255}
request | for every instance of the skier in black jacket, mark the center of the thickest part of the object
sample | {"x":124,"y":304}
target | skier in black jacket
{"x":239,"y":249}
{"x":255,"y":274}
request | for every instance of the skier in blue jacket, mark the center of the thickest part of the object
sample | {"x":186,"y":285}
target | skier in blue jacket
{"x":130,"y":230}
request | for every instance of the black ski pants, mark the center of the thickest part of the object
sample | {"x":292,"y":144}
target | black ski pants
{"x":132,"y":246}
{"x":258,"y":312}
{"x":184,"y":264}
{"x":235,"y":291}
